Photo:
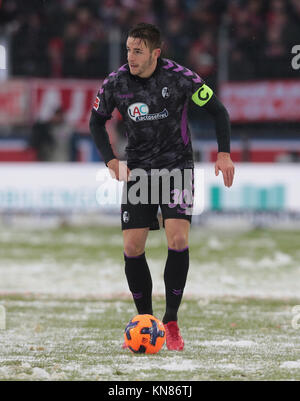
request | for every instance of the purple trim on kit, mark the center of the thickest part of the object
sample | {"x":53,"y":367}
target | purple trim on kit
{"x":198,"y":79}
{"x":122,"y":68}
{"x":137,"y":295}
{"x":184,"y":133}
{"x":188,"y":73}
{"x":105,"y":82}
{"x":112,"y":74}
{"x":169,"y":65}
{"x":125,"y":95}
{"x":177,"y":292}
{"x":134,"y":257}
{"x":102,"y":114}
{"x":182,"y":212}
{"x":180,"y":68}
{"x":178,"y":250}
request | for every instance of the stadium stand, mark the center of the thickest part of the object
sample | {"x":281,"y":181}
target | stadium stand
{"x":71,"y":39}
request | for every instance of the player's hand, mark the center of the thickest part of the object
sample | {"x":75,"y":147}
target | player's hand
{"x":118,"y":170}
{"x":224,"y":163}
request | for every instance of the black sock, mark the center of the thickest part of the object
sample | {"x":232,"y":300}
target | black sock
{"x":139,"y":282}
{"x":175,"y":275}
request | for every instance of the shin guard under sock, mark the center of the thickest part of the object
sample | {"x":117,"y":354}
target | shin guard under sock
{"x":139,"y":282}
{"x":175,"y":275}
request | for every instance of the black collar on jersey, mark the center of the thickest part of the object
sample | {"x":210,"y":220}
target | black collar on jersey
{"x":155,"y":72}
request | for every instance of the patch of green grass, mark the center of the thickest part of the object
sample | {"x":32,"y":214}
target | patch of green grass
{"x":225,"y":339}
{"x":57,"y":331}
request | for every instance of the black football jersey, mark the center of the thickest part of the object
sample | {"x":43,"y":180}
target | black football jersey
{"x":154,"y":112}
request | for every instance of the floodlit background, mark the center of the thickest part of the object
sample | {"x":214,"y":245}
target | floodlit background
{"x":61,"y":266}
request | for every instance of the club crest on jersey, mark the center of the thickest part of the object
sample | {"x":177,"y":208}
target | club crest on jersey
{"x":140,"y":112}
{"x":165,"y":92}
{"x":126,"y":217}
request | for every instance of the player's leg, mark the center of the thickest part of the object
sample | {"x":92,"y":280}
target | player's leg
{"x":177,"y":219}
{"x":137,"y":219}
{"x":134,"y":241}
{"x":177,"y":265}
{"x":175,"y":274}
{"x":136,"y":269}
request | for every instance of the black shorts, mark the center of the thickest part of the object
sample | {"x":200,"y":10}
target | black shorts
{"x":144,"y":194}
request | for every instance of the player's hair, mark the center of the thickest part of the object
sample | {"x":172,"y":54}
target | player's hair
{"x":148,"y":33}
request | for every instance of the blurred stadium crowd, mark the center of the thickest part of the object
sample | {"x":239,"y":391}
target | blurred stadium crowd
{"x":69,"y":38}
{"x":234,"y":42}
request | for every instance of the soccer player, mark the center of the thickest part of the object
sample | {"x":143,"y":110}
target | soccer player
{"x":152,"y":95}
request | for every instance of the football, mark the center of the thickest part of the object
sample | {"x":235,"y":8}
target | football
{"x":145,"y":334}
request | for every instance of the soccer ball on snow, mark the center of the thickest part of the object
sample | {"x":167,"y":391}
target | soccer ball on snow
{"x":145,"y":334}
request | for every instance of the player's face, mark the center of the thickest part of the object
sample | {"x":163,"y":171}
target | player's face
{"x":142,"y":61}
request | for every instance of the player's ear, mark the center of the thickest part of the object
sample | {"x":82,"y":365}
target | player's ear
{"x":157,"y":52}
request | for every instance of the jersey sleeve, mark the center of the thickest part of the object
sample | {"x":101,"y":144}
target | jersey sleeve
{"x":104,"y":103}
{"x":195,"y":87}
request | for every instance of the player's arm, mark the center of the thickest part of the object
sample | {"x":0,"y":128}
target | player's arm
{"x":204,"y":97}
{"x":117,"y":169}
{"x":101,"y":112}
{"x":100,"y":136}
